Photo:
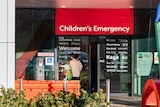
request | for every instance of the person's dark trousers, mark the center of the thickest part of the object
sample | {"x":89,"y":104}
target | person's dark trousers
{"x":75,"y":78}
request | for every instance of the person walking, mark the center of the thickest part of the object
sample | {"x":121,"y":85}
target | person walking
{"x":76,"y":66}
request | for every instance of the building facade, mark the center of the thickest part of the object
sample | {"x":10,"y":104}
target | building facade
{"x":7,"y":42}
{"x":115,"y":43}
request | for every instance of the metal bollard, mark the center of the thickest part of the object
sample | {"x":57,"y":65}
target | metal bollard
{"x":108,"y":90}
{"x":65,"y":83}
{"x":20,"y":84}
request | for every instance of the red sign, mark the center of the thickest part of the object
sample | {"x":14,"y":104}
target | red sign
{"x":94,"y":21}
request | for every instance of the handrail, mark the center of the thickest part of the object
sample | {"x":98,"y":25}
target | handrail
{"x":33,"y":87}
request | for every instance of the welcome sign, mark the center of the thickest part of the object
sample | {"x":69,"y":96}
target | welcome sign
{"x":94,"y":21}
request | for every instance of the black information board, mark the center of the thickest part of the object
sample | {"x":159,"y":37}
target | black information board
{"x":117,"y":54}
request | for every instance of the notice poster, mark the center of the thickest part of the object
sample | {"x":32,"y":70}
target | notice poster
{"x":144,"y":63}
{"x":117,"y":55}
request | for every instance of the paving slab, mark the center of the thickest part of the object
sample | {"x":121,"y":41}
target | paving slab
{"x":123,"y":100}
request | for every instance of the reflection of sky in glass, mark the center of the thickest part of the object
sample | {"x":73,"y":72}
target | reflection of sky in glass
{"x":82,"y":55}
{"x":157,"y":19}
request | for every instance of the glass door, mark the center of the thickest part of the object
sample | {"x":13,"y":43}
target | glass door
{"x":114,"y":64}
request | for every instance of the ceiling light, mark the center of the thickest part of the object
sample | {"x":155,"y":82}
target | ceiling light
{"x":63,"y":6}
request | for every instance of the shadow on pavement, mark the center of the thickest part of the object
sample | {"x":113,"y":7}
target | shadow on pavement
{"x":123,"y":100}
{"x":126,"y":103}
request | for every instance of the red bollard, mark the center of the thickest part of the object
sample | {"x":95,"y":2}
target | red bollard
{"x":151,"y":93}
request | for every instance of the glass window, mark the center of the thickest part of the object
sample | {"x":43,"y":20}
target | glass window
{"x":145,"y":62}
{"x":66,"y":45}
{"x":35,"y":43}
{"x":144,"y":49}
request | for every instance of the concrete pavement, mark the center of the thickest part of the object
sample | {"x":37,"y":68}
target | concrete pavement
{"x":123,"y":100}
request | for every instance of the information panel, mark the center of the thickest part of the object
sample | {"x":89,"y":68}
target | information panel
{"x":117,"y":55}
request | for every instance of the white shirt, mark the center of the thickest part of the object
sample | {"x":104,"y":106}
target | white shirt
{"x":76,"y":66}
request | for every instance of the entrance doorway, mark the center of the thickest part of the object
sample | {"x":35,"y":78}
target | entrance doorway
{"x":114,"y":64}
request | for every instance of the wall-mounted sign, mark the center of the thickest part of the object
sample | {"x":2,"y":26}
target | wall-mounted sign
{"x":117,"y":55}
{"x":94,"y":21}
{"x":45,"y":54}
{"x":144,"y":63}
{"x":49,"y":61}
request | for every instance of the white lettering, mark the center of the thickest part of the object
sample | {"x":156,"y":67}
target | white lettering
{"x":112,"y":57}
{"x":69,"y":48}
{"x":111,"y":29}
{"x":64,"y":28}
{"x":94,"y":28}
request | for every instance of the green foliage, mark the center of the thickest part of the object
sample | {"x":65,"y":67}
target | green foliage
{"x":84,"y":80}
{"x":66,"y":98}
{"x":12,"y":98}
{"x":46,"y":100}
{"x":96,"y":99}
